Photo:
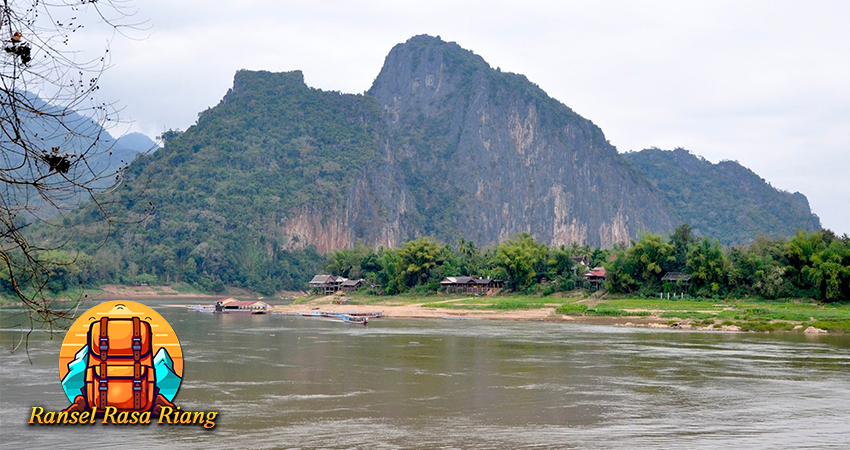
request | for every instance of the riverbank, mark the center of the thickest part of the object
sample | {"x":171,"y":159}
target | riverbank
{"x":704,"y":315}
{"x":799,"y":316}
{"x":426,"y":311}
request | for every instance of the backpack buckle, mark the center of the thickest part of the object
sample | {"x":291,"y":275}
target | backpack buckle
{"x":104,"y":344}
{"x":102,"y":386}
{"x":137,"y":343}
{"x":137,"y":385}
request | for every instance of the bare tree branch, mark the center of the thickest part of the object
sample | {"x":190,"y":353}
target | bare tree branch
{"x":55,"y":148}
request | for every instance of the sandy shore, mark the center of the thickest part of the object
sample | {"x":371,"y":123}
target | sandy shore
{"x":417,"y":311}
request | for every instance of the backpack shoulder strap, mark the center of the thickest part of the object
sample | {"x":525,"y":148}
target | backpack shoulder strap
{"x":103,"y":347}
{"x":137,"y":339}
{"x":103,"y":343}
{"x":137,"y":367}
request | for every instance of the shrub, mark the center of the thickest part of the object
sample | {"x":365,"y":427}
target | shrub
{"x":688,"y":315}
{"x":516,"y":304}
{"x":841,"y":326}
{"x":617,"y":312}
{"x":572,"y":309}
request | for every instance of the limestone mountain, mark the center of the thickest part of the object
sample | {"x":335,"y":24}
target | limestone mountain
{"x":478,"y":152}
{"x":441,"y":145}
{"x":725,"y":200}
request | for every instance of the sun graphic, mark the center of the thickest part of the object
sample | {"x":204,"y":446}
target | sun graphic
{"x":163,"y":335}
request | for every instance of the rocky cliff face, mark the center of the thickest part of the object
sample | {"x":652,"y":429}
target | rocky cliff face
{"x":475,"y":152}
{"x":441,"y":145}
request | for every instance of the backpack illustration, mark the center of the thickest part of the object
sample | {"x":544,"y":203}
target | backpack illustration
{"x":119,"y":368}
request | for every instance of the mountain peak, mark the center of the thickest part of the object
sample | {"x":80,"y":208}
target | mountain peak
{"x":424,"y":39}
{"x":442,"y":145}
{"x":424,"y":70}
{"x":249,"y":82}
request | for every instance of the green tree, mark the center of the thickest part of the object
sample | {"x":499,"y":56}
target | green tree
{"x":707,"y":265}
{"x":347,"y":262}
{"x":522,"y":260}
{"x":417,"y":259}
{"x":829,"y":271}
{"x":470,"y":259}
{"x":559,"y":262}
{"x":682,"y":240}
{"x":560,"y":270}
{"x":799,"y":252}
{"x":391,"y":275}
{"x":641,"y":266}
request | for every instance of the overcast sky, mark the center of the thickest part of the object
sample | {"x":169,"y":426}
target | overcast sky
{"x":764,"y":83}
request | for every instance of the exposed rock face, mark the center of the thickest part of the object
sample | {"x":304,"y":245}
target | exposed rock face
{"x":441,"y":145}
{"x":326,"y":232}
{"x":484,"y":154}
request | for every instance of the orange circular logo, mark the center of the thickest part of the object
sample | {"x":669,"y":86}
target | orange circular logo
{"x":121,"y":354}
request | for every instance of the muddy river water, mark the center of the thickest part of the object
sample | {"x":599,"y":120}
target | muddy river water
{"x":293,"y":382}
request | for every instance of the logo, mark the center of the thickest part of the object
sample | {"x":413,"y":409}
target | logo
{"x":121,"y":363}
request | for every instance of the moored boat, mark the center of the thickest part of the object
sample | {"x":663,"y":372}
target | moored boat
{"x":372,"y":315}
{"x":201,"y":308}
{"x":360,"y":320}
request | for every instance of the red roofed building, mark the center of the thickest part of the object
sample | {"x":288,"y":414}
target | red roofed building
{"x":595,"y":276}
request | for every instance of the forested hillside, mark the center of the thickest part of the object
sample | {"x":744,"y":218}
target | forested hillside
{"x":223,"y":188}
{"x":725,"y":200}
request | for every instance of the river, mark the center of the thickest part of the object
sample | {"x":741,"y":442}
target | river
{"x":292,"y":382}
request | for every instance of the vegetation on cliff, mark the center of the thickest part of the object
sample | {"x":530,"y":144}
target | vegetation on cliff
{"x":725,"y":200}
{"x":812,"y":265}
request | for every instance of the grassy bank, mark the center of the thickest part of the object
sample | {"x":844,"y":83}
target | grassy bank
{"x":746,"y":315}
{"x":501,"y":302}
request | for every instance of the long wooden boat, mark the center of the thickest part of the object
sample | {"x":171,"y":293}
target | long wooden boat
{"x":202,"y":308}
{"x":372,"y":315}
{"x":355,"y":319}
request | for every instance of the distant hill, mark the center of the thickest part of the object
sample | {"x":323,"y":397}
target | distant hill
{"x":53,"y":128}
{"x":725,"y":200}
{"x":120,"y":153}
{"x":132,"y":144}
